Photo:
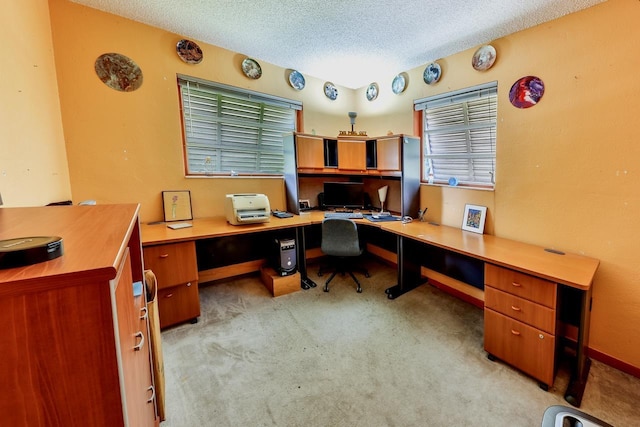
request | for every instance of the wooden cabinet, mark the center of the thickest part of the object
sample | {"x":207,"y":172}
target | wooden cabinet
{"x":352,"y":155}
{"x":77,"y":350}
{"x":520,"y":321}
{"x":310,"y":152}
{"x":176,"y":270}
{"x":388,"y":154}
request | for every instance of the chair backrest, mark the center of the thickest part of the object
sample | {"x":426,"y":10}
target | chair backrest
{"x":340,"y":237}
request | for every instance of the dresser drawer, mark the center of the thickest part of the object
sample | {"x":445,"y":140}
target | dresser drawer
{"x":528,"y":349}
{"x":525,"y":311}
{"x":528,"y":287}
{"x":173,"y":263}
{"x":178,"y":304}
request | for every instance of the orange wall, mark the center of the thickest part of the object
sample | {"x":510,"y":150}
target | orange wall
{"x":33,"y":163}
{"x":567,"y":170}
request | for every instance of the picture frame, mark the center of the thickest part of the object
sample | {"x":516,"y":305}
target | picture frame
{"x":176,"y":205}
{"x":474,"y":218}
{"x":304,"y":204}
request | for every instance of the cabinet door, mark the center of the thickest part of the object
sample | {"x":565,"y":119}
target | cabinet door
{"x":173,"y":263}
{"x":310,"y":152}
{"x":388,"y":150}
{"x":352,"y":155}
{"x":133,"y":336}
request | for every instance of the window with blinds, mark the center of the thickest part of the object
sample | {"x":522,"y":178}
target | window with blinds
{"x":228,"y":130}
{"x":460,"y":136}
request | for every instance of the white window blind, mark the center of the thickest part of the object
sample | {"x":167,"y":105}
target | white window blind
{"x":460,"y":136}
{"x":232,"y":130}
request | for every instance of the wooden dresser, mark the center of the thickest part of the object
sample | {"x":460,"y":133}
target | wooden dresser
{"x":75,"y":335}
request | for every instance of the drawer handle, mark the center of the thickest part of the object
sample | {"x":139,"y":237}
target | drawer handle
{"x":188,"y":284}
{"x":515,"y":332}
{"x":168,"y":295}
{"x":145,"y":313}
{"x":516,"y":284}
{"x":152,"y":389}
{"x":514,"y":308}
{"x":140,"y":335}
{"x":164,"y":255}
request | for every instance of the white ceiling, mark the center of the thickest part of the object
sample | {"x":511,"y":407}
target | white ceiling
{"x":350,"y":43}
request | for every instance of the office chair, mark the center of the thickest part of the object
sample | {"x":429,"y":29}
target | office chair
{"x":341,"y":243}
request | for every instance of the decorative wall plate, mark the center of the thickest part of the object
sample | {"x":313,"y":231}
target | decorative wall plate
{"x":526,"y":92}
{"x":296,"y":80}
{"x":432,"y":73}
{"x":118,"y":72}
{"x":251,"y":68}
{"x":484,"y":57}
{"x":330,"y":91}
{"x":372,"y":91}
{"x":189,"y":51}
{"x":399,"y":84}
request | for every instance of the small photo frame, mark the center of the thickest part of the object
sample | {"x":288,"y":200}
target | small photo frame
{"x":304,"y":204}
{"x":474,"y":217}
{"x":176,"y":205}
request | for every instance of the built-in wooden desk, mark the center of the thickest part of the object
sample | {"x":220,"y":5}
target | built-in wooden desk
{"x":532,"y":269}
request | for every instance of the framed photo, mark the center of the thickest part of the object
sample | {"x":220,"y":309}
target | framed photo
{"x":304,"y":204}
{"x":474,"y":217}
{"x":176,"y":205}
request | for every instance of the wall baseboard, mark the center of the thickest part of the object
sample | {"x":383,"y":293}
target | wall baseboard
{"x":613,"y":362}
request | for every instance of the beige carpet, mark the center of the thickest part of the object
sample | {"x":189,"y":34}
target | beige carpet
{"x":346,"y":359}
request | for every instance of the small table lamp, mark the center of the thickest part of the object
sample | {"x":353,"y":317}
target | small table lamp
{"x":382,"y":194}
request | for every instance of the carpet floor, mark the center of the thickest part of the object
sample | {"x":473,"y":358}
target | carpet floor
{"x":341,"y":358}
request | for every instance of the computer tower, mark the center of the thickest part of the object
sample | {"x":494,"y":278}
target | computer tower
{"x":284,"y":259}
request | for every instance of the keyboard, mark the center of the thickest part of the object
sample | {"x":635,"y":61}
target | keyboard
{"x":349,"y":215}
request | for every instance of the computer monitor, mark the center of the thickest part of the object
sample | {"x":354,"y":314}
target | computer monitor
{"x":349,"y":195}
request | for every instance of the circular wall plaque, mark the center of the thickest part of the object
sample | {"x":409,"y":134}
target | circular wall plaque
{"x":484,"y":58}
{"x":432,"y":73}
{"x":399,"y":83}
{"x":526,"y":92}
{"x":372,"y":91}
{"x":189,"y":51}
{"x":118,"y":72}
{"x":330,"y":91}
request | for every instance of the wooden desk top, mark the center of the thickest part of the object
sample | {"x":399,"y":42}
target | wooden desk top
{"x":204,"y":228}
{"x":569,"y":269}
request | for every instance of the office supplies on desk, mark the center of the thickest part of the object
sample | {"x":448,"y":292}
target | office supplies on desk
{"x":179,"y":225}
{"x":282,"y":214}
{"x":247,"y":208}
{"x":381,"y":218}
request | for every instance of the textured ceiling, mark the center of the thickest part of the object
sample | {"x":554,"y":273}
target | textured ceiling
{"x":350,"y":43}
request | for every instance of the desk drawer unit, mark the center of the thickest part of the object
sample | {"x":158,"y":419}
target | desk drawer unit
{"x":520,"y":321}
{"x":176,"y":269}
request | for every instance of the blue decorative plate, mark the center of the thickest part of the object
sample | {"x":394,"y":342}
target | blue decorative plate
{"x":399,"y":84}
{"x":432,"y":73}
{"x":372,"y":91}
{"x":330,"y":91}
{"x":296,"y":80}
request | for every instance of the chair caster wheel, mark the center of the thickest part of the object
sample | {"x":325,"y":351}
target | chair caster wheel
{"x":544,"y":387}
{"x":492,"y":357}
{"x":326,"y":288}
{"x":359,"y":290}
